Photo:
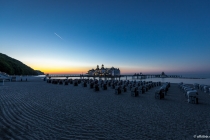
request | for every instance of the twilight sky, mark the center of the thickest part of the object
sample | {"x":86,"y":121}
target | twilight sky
{"x":73,"y":36}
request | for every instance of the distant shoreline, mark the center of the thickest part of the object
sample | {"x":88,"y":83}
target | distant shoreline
{"x":183,"y":77}
{"x":191,"y":78}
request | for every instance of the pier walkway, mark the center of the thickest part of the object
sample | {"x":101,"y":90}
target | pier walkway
{"x":113,"y":76}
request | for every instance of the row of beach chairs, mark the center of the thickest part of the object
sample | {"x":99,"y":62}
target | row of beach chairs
{"x":119,"y":86}
{"x":135,"y":88}
{"x":162,"y":91}
{"x":204,"y":88}
{"x":189,"y":92}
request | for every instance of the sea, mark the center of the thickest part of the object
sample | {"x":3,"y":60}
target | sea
{"x":184,"y":79}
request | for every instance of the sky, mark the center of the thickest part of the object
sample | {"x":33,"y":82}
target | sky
{"x":73,"y":36}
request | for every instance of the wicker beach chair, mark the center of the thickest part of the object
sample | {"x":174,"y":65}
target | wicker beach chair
{"x":206,"y":89}
{"x":104,"y":86}
{"x":75,"y":83}
{"x":84,"y":84}
{"x":70,"y":81}
{"x":143,"y":89}
{"x":196,"y":86}
{"x":55,"y":82}
{"x":159,"y":93}
{"x":118,"y":90}
{"x":134,"y":92}
{"x":91,"y":85}
{"x":60,"y":82}
{"x":192,"y":96}
{"x":96,"y":87}
{"x":186,"y":90}
{"x":140,"y":89}
{"x":124,"y":88}
{"x":66,"y":82}
{"x":201,"y":87}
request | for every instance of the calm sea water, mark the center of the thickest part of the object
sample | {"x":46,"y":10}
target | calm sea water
{"x":205,"y":81}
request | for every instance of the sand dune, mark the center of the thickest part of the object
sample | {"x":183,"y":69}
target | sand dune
{"x":39,"y":110}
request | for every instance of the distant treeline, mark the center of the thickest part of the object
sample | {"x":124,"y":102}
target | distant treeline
{"x":14,"y":67}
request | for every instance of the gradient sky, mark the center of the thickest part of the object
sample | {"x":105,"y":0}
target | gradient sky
{"x":73,"y":36}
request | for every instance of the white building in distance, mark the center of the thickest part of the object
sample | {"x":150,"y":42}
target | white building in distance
{"x":104,"y":71}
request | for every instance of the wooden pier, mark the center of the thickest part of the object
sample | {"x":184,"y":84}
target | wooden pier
{"x":114,"y":77}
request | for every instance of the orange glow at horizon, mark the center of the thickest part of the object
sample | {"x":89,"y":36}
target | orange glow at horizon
{"x":84,"y":70}
{"x":63,"y":70}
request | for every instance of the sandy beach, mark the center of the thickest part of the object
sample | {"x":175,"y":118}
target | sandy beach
{"x":40,"y":110}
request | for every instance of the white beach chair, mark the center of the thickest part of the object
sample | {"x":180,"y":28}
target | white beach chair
{"x":192,"y":96}
{"x":159,"y":93}
{"x":206,"y":89}
{"x":187,"y":89}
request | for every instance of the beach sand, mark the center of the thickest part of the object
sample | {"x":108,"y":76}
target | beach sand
{"x":39,"y":110}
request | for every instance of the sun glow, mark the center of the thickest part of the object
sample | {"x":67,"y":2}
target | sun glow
{"x":61,"y":70}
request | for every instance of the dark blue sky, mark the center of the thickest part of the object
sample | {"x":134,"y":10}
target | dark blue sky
{"x":72,"y":36}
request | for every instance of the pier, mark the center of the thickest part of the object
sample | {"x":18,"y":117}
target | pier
{"x":134,"y":76}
